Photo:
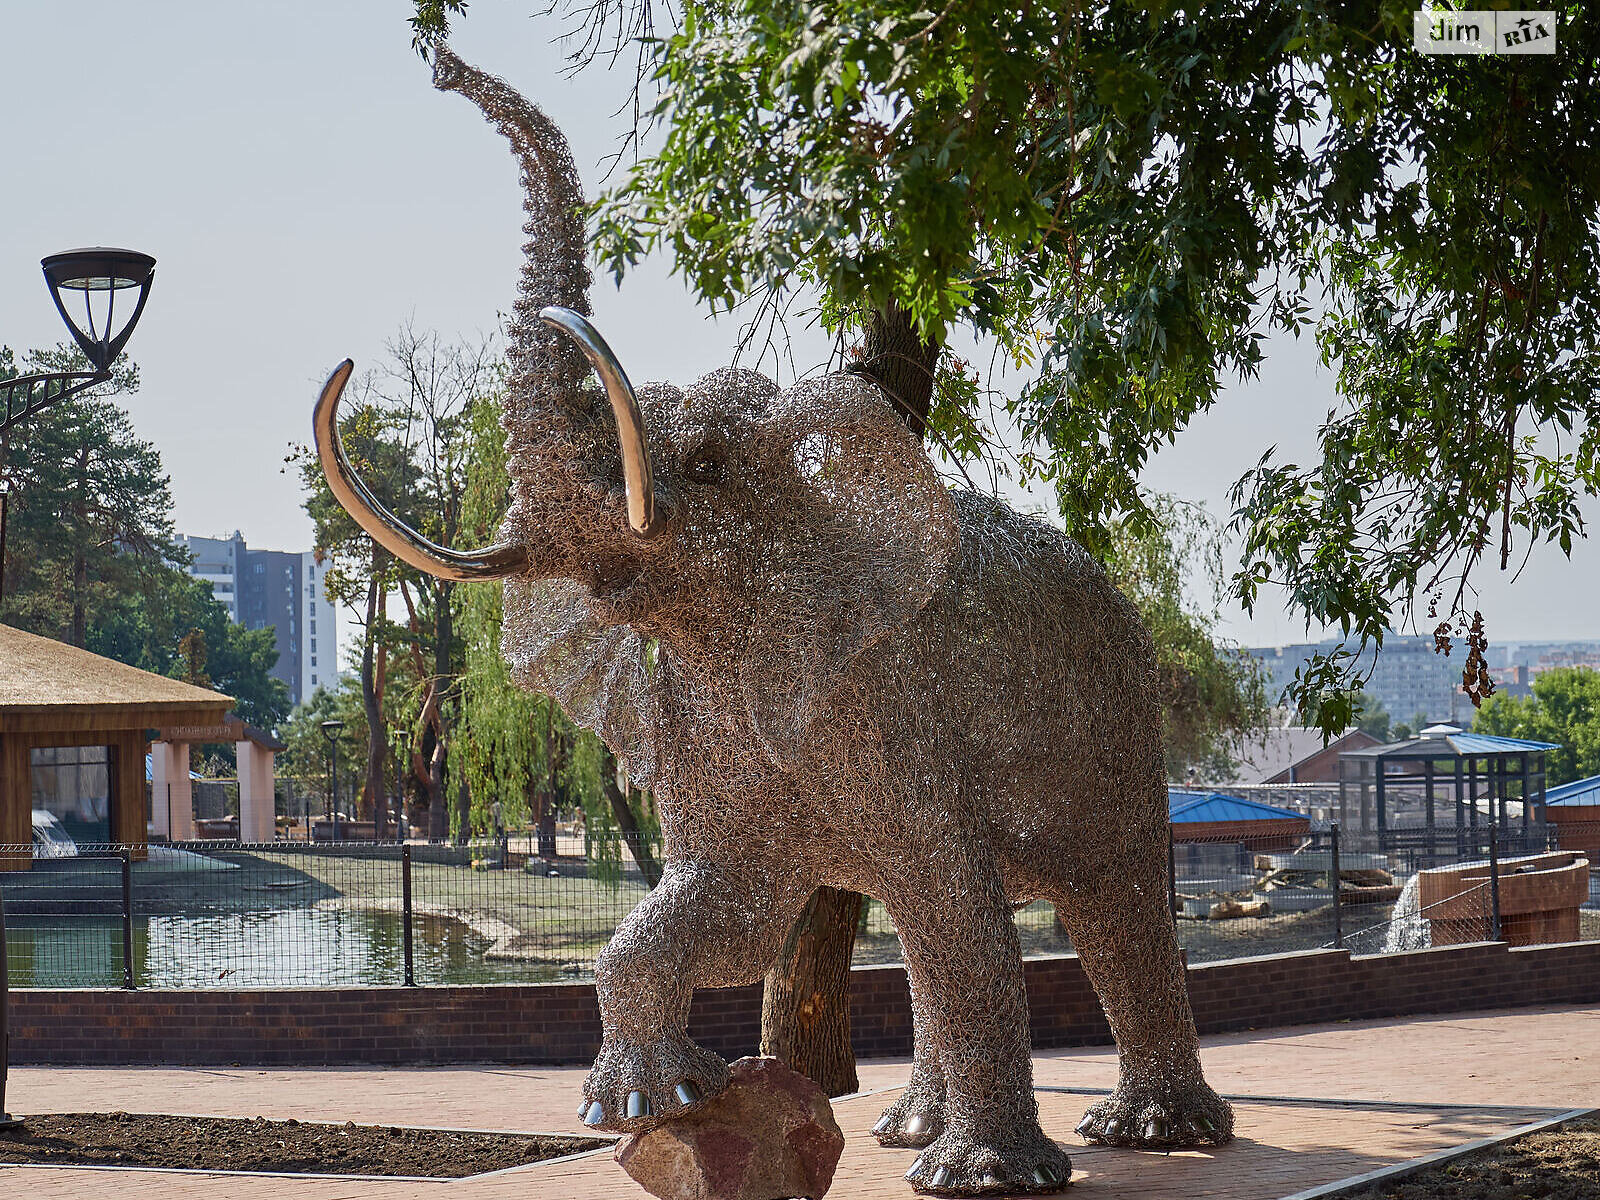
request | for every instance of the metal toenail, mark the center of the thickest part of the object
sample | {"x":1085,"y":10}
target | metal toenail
{"x":884,"y":1124}
{"x":638,"y":1105}
{"x":1041,"y":1176}
{"x":1085,"y":1127}
{"x":914,"y":1125}
{"x":915,"y":1167}
{"x":687,"y":1092}
{"x":1204,"y":1124}
{"x":1158,"y":1129}
{"x":940,"y":1177}
{"x":595,"y":1114}
{"x":583,"y":1108}
{"x":1113,"y":1131}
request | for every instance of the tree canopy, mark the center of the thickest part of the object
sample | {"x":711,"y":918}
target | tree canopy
{"x":1126,"y":200}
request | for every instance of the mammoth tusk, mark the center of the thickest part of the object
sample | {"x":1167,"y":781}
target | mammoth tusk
{"x":643,"y":518}
{"x":388,"y":530}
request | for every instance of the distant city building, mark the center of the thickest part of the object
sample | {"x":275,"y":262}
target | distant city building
{"x":1408,"y":677}
{"x":1411,"y":679}
{"x":264,"y":589}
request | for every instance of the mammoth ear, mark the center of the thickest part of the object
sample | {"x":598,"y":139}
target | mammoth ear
{"x":597,"y":672}
{"x":862,"y":535}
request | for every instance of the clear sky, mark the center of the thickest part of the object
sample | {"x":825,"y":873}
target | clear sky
{"x":305,"y":191}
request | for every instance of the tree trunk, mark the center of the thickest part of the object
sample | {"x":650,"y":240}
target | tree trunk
{"x":372,"y":804}
{"x":805,"y":1008}
{"x":627,"y":820}
{"x":894,"y":355}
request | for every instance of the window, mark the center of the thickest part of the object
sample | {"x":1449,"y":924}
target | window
{"x":313,"y":660}
{"x":261,"y":568}
{"x":313,"y":645}
{"x":313,"y":681}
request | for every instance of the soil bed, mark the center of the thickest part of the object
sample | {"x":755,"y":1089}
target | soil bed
{"x":221,"y":1144}
{"x":1556,"y":1164}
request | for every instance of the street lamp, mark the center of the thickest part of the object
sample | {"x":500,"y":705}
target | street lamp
{"x":98,"y":273}
{"x":93,"y":272}
{"x":331,"y":730}
{"x":402,"y":743}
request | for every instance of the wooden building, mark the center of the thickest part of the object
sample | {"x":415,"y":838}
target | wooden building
{"x":68,"y":716}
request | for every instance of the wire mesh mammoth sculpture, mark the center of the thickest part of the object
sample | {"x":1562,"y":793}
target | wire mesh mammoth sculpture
{"x":829,"y":669}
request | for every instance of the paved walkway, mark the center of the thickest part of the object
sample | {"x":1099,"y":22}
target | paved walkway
{"x":1410,"y":1076}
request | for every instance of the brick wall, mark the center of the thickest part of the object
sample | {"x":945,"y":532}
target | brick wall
{"x":560,"y":1023}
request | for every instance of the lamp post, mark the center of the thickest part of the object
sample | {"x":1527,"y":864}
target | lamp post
{"x":97,"y":273}
{"x":402,"y":741}
{"x":331,"y":730}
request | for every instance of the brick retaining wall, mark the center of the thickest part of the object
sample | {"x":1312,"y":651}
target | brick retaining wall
{"x":560,"y":1023}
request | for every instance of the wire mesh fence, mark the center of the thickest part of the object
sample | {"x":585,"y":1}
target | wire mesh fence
{"x":309,"y":914}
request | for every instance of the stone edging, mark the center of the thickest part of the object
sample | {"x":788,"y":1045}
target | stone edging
{"x":1345,"y":1187}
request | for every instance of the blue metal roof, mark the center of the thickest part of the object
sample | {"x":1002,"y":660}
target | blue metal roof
{"x":1195,"y":807}
{"x":1483,"y":743}
{"x":1580,"y":793}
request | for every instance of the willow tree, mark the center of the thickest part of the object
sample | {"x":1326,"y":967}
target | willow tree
{"x":514,"y":747}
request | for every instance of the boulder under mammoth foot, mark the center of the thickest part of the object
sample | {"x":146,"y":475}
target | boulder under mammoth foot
{"x":1022,"y":1161}
{"x":634,"y":1086}
{"x":771,"y":1132}
{"x":1153,"y":1117}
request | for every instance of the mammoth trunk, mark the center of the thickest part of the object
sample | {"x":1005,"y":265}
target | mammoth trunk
{"x":546,"y":369}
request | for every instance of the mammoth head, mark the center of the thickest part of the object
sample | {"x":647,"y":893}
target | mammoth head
{"x":767,"y":537}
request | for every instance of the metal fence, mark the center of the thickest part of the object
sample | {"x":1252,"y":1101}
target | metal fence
{"x":298,"y":914}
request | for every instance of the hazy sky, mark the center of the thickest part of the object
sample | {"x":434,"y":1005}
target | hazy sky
{"x":305,"y":191}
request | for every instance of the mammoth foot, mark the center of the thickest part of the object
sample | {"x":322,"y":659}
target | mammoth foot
{"x":636,"y":1086}
{"x":913,"y":1121}
{"x":1021,"y":1161}
{"x":1152,"y":1117}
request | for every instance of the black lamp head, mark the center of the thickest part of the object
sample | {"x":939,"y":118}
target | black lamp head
{"x":99,"y":269}
{"x":332,"y":728}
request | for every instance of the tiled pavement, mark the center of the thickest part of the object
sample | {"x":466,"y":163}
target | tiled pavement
{"x":1411,"y":1074}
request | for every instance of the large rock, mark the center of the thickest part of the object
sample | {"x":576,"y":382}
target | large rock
{"x":770,"y":1136}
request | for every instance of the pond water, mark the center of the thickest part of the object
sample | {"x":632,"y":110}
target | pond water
{"x":306,"y":947}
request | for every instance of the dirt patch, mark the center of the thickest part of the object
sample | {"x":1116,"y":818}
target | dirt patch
{"x":221,"y":1144}
{"x":1557,"y":1164}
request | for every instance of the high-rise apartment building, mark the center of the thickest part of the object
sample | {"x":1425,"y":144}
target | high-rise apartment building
{"x":283,"y":591}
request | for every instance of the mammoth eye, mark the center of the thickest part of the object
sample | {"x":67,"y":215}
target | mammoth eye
{"x":704,"y":465}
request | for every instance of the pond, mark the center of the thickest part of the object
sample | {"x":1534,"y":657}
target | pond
{"x":302,"y":947}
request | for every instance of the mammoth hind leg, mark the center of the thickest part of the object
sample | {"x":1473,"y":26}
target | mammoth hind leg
{"x":918,"y":1116}
{"x":1122,"y":930}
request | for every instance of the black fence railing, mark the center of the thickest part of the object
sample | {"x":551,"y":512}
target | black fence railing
{"x":303,"y":914}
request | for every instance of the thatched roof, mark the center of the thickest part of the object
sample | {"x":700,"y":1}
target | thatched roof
{"x":45,"y":683}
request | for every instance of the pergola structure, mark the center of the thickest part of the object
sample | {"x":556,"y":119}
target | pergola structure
{"x":1442,"y":780}
{"x":60,"y":707}
{"x":172,"y":793}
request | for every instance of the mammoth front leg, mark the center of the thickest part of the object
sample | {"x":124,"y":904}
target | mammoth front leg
{"x":966,"y":971}
{"x":703,"y":925}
